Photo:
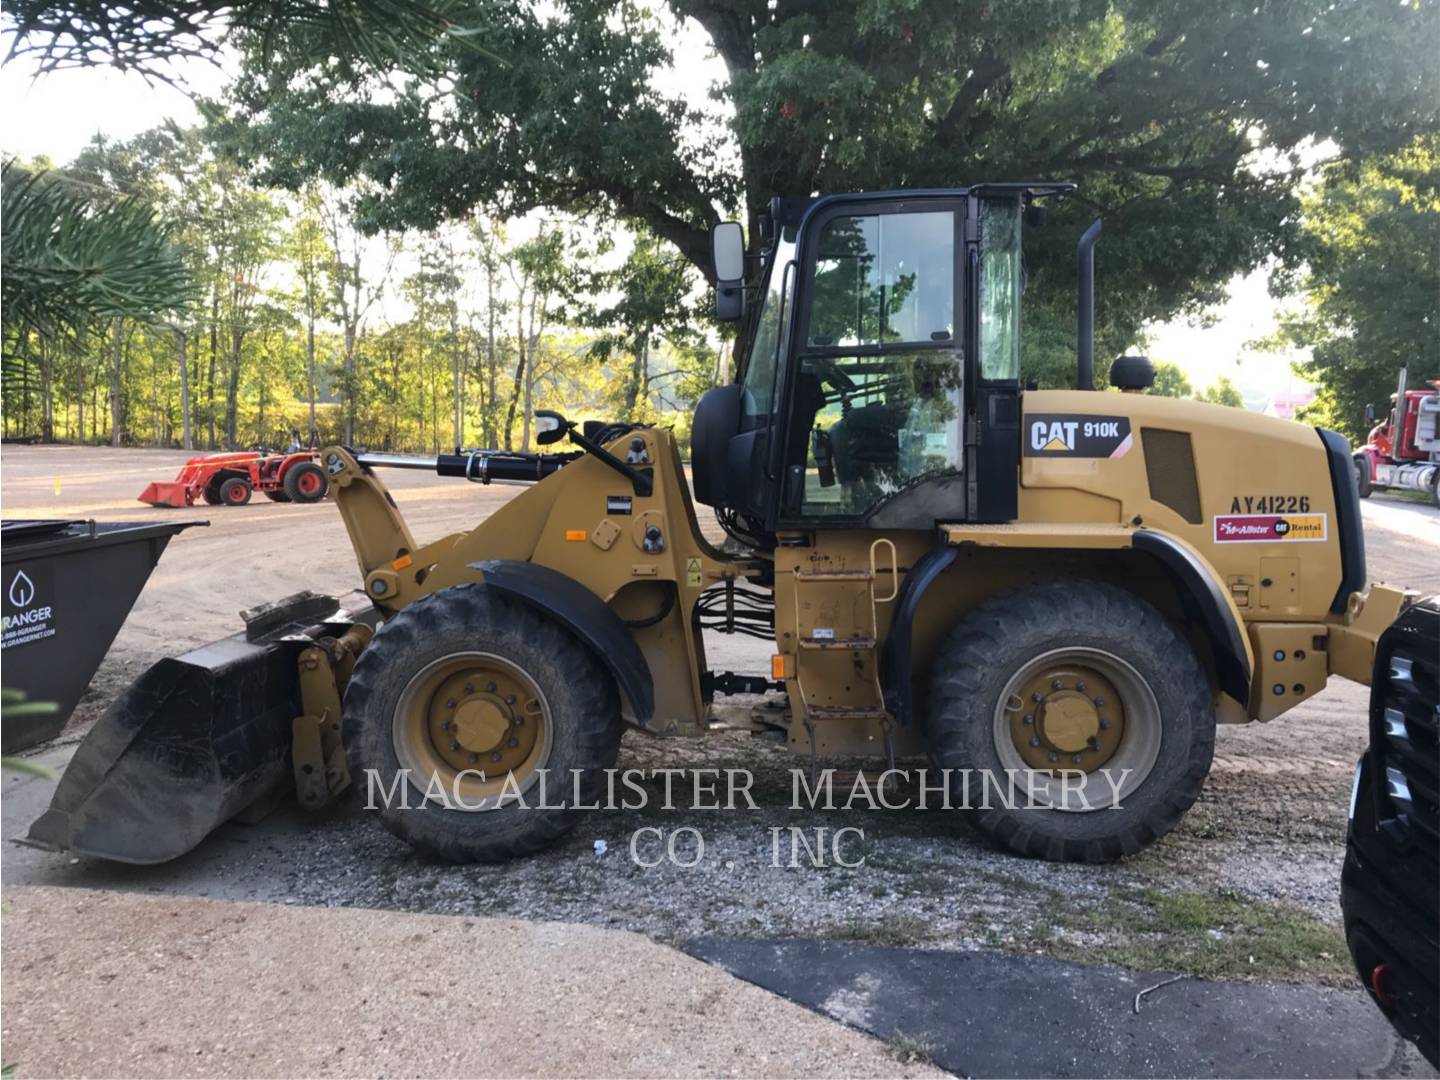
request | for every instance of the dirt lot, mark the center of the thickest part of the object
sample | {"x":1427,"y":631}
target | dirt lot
{"x":1247,"y":885}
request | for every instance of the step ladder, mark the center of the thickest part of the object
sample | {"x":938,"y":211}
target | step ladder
{"x":860,"y":642}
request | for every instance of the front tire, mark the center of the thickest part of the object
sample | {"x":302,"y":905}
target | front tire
{"x":1083,"y":677}
{"x":235,"y":492}
{"x":490,"y":700}
{"x":306,"y":483}
{"x":1363,"y":483}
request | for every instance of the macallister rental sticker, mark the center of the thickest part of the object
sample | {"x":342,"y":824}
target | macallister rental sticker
{"x":1072,"y":435}
{"x":28,"y":616}
{"x":1268,"y":528}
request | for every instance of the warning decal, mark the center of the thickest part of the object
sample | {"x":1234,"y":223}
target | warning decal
{"x":1077,"y":436}
{"x":1268,"y":528}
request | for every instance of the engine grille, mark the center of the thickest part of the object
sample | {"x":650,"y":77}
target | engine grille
{"x":1170,"y":470}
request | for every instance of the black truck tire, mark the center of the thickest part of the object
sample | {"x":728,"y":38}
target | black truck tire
{"x":1362,"y":476}
{"x":1019,"y":674}
{"x":467,"y":651}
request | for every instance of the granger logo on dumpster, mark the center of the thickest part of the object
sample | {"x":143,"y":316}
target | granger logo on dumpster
{"x":27,"y":617}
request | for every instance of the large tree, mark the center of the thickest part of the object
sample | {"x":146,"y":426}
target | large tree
{"x":1182,"y":122}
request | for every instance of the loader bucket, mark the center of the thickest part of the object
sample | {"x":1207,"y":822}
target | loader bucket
{"x":164,"y":493}
{"x":192,"y":743}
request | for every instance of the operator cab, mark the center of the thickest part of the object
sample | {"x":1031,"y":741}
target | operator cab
{"x":880,"y":364}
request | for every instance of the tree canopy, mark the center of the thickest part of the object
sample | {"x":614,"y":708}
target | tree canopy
{"x":1372,"y":254}
{"x":1184,"y":123}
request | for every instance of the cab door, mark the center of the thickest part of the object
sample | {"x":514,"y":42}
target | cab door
{"x":876,"y":422}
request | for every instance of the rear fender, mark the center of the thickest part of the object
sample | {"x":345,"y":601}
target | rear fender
{"x":586,"y":616}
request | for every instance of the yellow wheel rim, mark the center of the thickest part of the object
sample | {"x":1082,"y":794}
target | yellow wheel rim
{"x":470,"y":727}
{"x":1079,"y":727}
{"x":1071,"y":717}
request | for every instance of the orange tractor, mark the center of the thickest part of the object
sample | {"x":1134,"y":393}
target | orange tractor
{"x":230,"y":480}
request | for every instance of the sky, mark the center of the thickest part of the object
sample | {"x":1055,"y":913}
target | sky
{"x":55,"y":116}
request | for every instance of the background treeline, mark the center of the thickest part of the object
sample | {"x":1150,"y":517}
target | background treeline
{"x":558,"y":162}
{"x":261,"y":315}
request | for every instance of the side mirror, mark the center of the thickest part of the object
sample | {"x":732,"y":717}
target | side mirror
{"x":727,"y":252}
{"x":550,"y":426}
{"x":1370,"y":414}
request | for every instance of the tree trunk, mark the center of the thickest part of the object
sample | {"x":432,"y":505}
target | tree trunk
{"x":116,"y":420}
{"x":310,"y":373}
{"x":186,"y":439}
{"x":458,"y":375}
{"x":232,"y":390}
{"x":47,"y":409}
{"x":352,"y":378}
{"x":214,"y":353}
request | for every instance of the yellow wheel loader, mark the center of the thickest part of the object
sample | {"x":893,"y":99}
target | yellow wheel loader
{"x":1068,"y":587}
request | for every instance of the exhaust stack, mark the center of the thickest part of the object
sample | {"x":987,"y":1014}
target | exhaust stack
{"x":1085,"y":346}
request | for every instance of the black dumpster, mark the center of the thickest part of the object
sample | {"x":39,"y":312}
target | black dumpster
{"x":67,"y":587}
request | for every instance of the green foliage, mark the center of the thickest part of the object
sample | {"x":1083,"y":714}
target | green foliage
{"x":1372,"y":243}
{"x":1182,"y":122}
{"x":1223,"y":392}
{"x":1170,"y":381}
{"x":75,"y":253}
{"x":149,"y":38}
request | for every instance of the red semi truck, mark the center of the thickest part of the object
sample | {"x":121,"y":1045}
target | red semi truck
{"x":1403,"y":451}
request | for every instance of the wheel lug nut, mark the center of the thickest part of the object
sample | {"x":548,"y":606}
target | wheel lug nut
{"x":474,"y":758}
{"x":490,"y":687}
{"x":495,"y":756}
{"x":1080,"y":686}
{"x":450,"y":704}
{"x":1029,"y":719}
{"x":1055,"y":684}
{"x":454,"y":745}
{"x":1075,"y":758}
{"x":469,"y":688}
{"x":509,"y":699}
{"x":446,"y":726}
{"x":519,"y":720}
{"x":1104,"y":725}
{"x":1034,"y":741}
{"x":1053,"y":759}
{"x":1099,"y":702}
{"x":513,"y":743}
{"x":1037,"y":696}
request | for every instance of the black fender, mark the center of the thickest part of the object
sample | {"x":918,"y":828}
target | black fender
{"x":586,"y":616}
{"x":895,"y":657}
{"x":1202,"y":597}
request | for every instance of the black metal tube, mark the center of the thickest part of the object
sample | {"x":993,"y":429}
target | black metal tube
{"x":1085,"y":344}
{"x":481,"y":466}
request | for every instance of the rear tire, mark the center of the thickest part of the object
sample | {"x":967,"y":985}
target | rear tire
{"x":277,"y":496}
{"x":1363,"y":483}
{"x":1163,"y":730}
{"x":235,"y":492}
{"x":471,"y":638}
{"x":306,"y":483}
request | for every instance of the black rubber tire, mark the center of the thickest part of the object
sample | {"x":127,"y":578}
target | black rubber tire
{"x":1362,"y":476}
{"x":211,"y":495}
{"x":277,"y":496}
{"x":293,"y":479}
{"x":235,"y":492}
{"x":982,"y":652}
{"x":1435,"y":490}
{"x":584,"y":708}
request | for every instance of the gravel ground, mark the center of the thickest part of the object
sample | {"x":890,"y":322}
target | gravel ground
{"x":1248,"y":882}
{"x":131,"y":980}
